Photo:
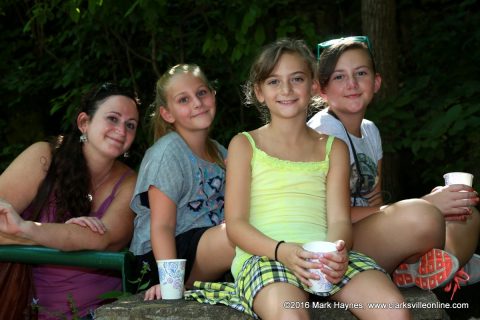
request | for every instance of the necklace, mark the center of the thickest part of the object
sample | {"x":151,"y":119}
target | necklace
{"x":99,"y":184}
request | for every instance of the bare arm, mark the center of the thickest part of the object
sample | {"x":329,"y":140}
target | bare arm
{"x":18,"y":186}
{"x":162,"y":226}
{"x":237,"y":201}
{"x":118,"y":220}
{"x":20,"y":181}
{"x":338,"y":195}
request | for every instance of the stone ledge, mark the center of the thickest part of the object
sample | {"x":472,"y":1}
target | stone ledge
{"x":134,"y":307}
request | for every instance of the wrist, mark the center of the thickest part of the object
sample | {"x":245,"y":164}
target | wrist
{"x":279,"y":243}
{"x":26,"y":228}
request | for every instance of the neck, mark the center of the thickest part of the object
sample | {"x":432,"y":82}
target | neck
{"x":352,"y":122}
{"x":288,"y":131}
{"x":197,"y":142}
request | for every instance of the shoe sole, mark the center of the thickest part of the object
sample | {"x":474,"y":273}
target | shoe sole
{"x":434,"y":269}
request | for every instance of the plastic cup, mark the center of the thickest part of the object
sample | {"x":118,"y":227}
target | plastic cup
{"x":320,"y":247}
{"x":458,"y":178}
{"x":171,"y":273}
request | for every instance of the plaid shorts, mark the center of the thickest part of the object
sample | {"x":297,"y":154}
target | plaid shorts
{"x":258,"y":272}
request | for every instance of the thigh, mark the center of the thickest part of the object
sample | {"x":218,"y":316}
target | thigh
{"x":401,"y":232}
{"x":214,"y":255}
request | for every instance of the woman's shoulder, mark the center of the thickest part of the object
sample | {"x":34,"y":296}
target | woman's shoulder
{"x":38,"y":152}
{"x":41,"y":147}
{"x":124,"y":175}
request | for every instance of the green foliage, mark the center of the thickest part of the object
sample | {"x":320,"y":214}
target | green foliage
{"x":53,"y":51}
{"x":56,"y":50}
{"x":433,"y":122}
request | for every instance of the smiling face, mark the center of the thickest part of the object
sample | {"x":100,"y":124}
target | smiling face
{"x":289,"y":87}
{"x":112,"y":129}
{"x":352,"y":84}
{"x":190,"y":103}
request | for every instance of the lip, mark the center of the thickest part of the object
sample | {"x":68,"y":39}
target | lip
{"x":353,"y":96}
{"x":120,"y":142}
{"x":287,"y":101}
{"x":199,"y":114}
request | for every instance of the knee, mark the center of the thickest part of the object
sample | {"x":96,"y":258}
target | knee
{"x":424,"y":220}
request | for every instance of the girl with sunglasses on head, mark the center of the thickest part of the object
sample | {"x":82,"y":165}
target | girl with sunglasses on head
{"x":288,"y":185}
{"x":405,"y":231}
{"x":179,"y":196}
{"x":73,"y":194}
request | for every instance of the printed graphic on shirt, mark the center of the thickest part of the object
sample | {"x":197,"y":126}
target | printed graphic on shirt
{"x":368,"y":169}
{"x":209,"y":194}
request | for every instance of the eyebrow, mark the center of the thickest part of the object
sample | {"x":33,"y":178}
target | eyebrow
{"x":291,"y":74}
{"x":185,"y":92}
{"x":356,"y":68}
{"x":119,"y":114}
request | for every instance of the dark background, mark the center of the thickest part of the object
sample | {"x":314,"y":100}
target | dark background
{"x":428,"y":109}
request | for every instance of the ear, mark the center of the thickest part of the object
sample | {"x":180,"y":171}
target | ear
{"x":82,"y":121}
{"x":322,"y":93}
{"x":378,"y":82}
{"x":315,"y":91}
{"x":166,"y":115}
{"x":258,"y":94}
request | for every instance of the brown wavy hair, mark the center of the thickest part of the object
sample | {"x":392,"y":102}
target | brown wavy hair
{"x":68,"y":176}
{"x":266,"y":61}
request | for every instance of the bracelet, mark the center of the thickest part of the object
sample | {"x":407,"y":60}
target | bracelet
{"x":276,"y":248}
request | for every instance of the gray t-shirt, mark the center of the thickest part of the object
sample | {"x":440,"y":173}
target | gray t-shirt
{"x":196,"y":186}
{"x":368,"y":148}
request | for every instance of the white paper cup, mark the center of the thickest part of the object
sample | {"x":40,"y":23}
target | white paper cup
{"x":458,"y":178}
{"x":171,"y":273}
{"x":321,"y":247}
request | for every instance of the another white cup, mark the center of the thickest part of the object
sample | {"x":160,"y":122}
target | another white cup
{"x":458,"y":178}
{"x":171,"y":273}
{"x":320,"y":247}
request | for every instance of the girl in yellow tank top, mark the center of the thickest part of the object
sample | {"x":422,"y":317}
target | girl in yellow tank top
{"x":286,"y":185}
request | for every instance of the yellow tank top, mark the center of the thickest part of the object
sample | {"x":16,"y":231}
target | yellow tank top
{"x":287,"y":200}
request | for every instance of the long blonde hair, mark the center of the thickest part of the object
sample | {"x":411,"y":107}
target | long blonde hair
{"x":159,"y":125}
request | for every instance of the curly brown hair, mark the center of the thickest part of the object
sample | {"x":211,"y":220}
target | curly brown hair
{"x":68,"y":176}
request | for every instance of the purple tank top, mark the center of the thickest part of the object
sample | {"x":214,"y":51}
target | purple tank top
{"x":57,"y":287}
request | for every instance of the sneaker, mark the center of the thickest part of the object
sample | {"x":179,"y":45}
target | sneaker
{"x":434,"y":269}
{"x":472,"y":269}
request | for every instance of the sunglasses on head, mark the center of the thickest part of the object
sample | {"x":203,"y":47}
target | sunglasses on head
{"x":327,"y":44}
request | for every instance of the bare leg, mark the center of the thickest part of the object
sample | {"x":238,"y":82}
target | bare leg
{"x":462,"y":237}
{"x":269,"y":302}
{"x":214,"y":242}
{"x":402,"y":232}
{"x":369,"y":287}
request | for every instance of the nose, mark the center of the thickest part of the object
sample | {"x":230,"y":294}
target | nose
{"x":285,"y":87}
{"x":196,"y":102}
{"x":121,"y":129}
{"x":352,"y":82}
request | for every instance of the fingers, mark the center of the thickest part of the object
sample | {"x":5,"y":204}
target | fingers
{"x":340,"y":244}
{"x":93,"y":223}
{"x":153,"y":293}
{"x":456,"y":217}
{"x":335,"y":263}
